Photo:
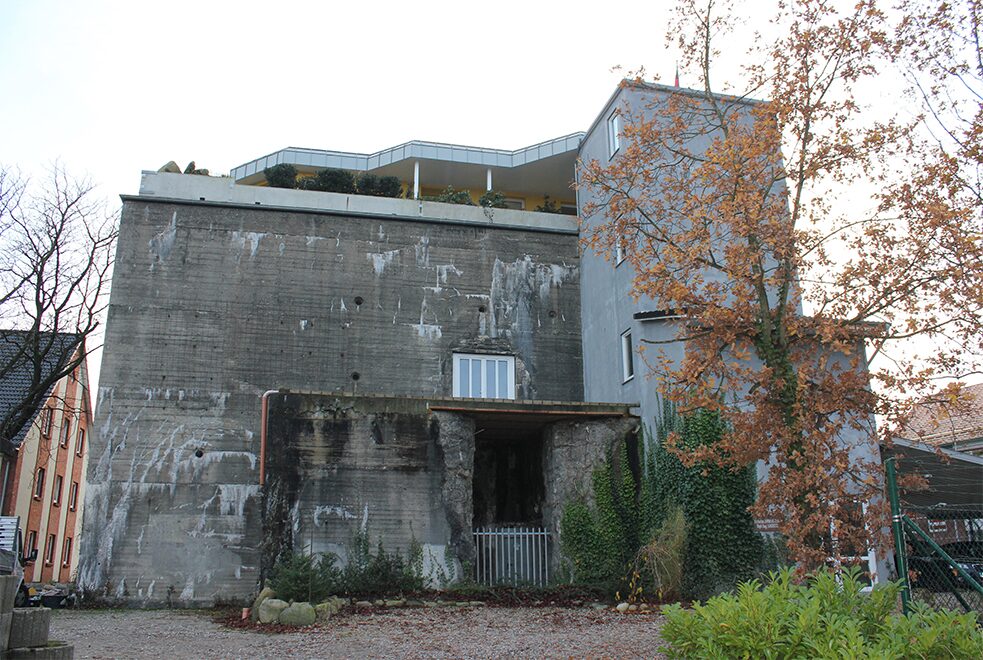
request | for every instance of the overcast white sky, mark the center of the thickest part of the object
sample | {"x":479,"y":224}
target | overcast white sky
{"x":113,"y":88}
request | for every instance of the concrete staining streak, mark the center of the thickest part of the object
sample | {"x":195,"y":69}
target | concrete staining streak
{"x":509,"y":299}
{"x":156,"y":469}
{"x":328,"y":511}
{"x":162,"y":243}
{"x":239,"y":242}
{"x":381,"y":259}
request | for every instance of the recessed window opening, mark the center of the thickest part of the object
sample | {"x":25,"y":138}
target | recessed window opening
{"x":56,"y":491}
{"x":66,"y":432}
{"x":627,"y":357}
{"x":66,"y":552}
{"x":39,"y":484}
{"x":73,"y":496}
{"x":479,"y":376}
{"x":614,"y":133}
{"x":515,"y":203}
{"x":49,"y":550}
{"x":80,"y":442}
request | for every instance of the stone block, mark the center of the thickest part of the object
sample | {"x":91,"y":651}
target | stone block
{"x":50,"y":651}
{"x":298,"y":614}
{"x":8,"y":592}
{"x":269,"y":611}
{"x":29,"y":627}
{"x":267,"y":592}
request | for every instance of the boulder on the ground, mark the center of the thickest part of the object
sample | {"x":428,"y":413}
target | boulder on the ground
{"x":323,"y":612}
{"x":269,"y":611}
{"x":267,"y":592}
{"x":298,"y":614}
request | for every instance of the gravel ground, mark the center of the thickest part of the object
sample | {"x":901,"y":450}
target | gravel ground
{"x":408,"y":633}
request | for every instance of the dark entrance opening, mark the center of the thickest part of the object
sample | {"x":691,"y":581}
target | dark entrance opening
{"x":508,"y":481}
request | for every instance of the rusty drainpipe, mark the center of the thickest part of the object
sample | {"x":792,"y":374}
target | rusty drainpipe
{"x":264,"y":413}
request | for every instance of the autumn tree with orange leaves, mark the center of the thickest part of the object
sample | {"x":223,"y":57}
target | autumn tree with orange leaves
{"x":826,"y":258}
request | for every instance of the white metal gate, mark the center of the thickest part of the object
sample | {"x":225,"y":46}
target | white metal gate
{"x":512,"y":555}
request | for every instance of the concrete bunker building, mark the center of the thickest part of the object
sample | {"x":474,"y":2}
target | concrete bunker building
{"x":286,"y":367}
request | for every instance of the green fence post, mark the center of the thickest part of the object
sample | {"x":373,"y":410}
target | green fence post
{"x":973,"y":584}
{"x":900,"y":552}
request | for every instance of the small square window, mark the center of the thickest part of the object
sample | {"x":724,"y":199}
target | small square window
{"x":484,"y":376}
{"x":614,"y":133}
{"x":39,"y":484}
{"x":627,"y":357}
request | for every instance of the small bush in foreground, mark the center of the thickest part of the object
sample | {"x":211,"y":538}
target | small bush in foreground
{"x":822,"y":618}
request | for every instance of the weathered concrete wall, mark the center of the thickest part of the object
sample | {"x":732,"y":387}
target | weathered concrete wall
{"x":381,"y":466}
{"x":213,"y":304}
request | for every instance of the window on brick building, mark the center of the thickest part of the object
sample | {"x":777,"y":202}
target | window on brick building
{"x":66,"y":431}
{"x":80,"y":442}
{"x":73,"y":496}
{"x":32,"y":541}
{"x":66,"y":552}
{"x":39,"y":484}
{"x":46,"y":422}
{"x":56,"y":491}
{"x":49,"y":550}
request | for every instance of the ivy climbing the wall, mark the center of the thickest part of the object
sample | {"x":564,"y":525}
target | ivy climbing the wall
{"x":619,"y":538}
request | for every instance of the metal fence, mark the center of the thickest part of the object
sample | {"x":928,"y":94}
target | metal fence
{"x":517,"y":556}
{"x":939,"y":547}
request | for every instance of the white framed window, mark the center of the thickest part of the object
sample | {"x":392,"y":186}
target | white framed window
{"x":627,"y":357}
{"x":614,"y":133}
{"x":80,"y":442}
{"x":32,"y":542}
{"x":619,"y":250}
{"x":479,"y":376}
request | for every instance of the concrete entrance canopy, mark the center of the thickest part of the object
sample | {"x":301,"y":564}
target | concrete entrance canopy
{"x":543,"y":168}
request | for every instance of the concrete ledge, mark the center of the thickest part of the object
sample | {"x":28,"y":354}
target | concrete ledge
{"x":5,"y":620}
{"x":195,"y":189}
{"x":51,"y":651}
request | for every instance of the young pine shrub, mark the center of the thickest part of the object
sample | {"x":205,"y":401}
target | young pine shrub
{"x":823,"y":617}
{"x":306,"y":578}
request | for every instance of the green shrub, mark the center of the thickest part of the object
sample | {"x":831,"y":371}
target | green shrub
{"x":821,"y":618}
{"x":548,"y":206}
{"x":281,"y":176}
{"x":382,"y":572}
{"x":386,"y":186}
{"x":451,"y":196}
{"x":331,"y":180}
{"x":304,"y":578}
{"x":492,"y":199}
